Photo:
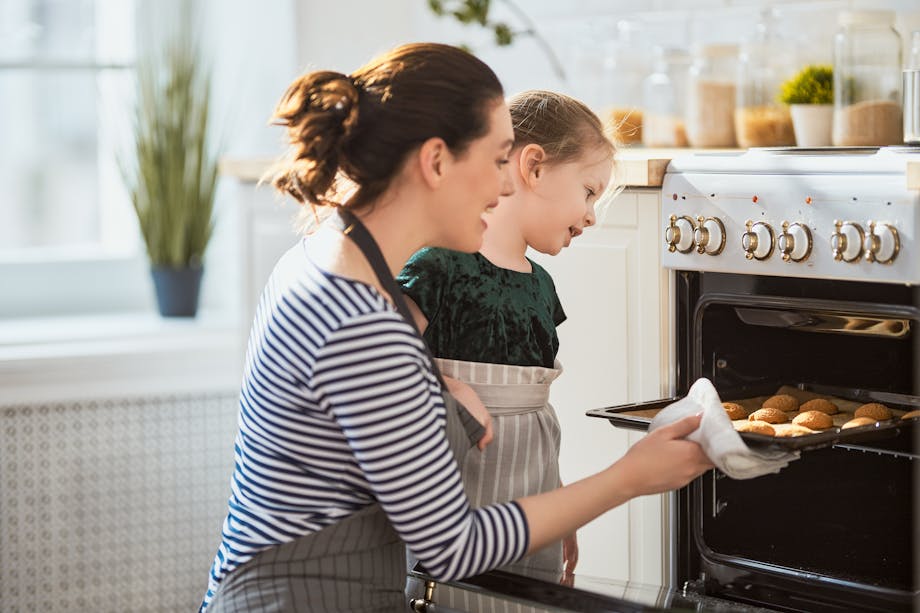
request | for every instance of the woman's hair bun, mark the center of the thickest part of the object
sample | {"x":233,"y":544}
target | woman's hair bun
{"x":319,"y":110}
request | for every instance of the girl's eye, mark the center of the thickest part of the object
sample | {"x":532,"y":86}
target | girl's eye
{"x":589,"y":193}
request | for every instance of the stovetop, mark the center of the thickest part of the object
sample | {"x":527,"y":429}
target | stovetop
{"x":831,"y":213}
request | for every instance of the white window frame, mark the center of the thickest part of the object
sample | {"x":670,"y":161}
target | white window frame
{"x":103,"y":276}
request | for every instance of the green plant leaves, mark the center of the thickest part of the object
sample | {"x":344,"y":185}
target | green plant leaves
{"x":173,"y":175}
{"x":812,"y":85}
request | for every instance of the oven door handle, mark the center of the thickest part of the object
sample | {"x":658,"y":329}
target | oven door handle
{"x":635,"y":416}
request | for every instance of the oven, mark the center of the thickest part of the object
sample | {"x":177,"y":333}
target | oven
{"x":798,"y":271}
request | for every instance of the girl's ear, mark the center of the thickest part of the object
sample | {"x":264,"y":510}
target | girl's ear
{"x":531,"y":164}
{"x":433,"y":159}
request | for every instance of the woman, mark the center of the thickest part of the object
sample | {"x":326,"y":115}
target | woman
{"x":342,"y":455}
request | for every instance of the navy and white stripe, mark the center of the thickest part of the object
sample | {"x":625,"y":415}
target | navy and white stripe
{"x":338,"y":410}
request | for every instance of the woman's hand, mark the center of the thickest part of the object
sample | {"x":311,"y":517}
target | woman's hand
{"x":468,"y":398}
{"x":664,"y":460}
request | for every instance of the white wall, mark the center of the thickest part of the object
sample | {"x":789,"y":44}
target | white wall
{"x":330,"y":37}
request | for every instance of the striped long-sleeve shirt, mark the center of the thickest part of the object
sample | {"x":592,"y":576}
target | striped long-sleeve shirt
{"x":339,"y":410}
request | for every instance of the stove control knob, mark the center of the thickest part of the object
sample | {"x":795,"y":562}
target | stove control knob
{"x":757,"y":242}
{"x":847,"y":241}
{"x":795,"y":242}
{"x":882,"y":243}
{"x":679,"y":234}
{"x":709,"y":236}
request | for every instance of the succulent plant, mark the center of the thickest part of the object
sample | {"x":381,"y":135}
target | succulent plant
{"x":814,"y":84}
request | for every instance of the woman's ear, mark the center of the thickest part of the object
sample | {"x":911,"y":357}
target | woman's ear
{"x":531,"y":164}
{"x":433,"y":159}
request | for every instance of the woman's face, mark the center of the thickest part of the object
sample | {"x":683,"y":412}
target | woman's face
{"x":564,"y":199}
{"x":477,"y":178}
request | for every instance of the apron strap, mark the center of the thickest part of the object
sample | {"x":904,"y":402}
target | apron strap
{"x":351,"y":226}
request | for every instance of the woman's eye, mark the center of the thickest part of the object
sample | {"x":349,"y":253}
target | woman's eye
{"x":501,"y":163}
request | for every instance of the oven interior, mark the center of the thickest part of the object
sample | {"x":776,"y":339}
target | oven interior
{"x":836,"y":529}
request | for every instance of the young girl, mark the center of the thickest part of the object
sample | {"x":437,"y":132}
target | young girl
{"x":343,"y":456}
{"x":490,"y":317}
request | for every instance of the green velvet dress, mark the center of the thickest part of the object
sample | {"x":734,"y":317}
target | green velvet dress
{"x":479,"y":312}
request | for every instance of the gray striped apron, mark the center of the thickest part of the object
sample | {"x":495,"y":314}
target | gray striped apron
{"x":521,"y":460}
{"x":357,"y":564}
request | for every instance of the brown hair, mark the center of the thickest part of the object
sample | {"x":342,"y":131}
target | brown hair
{"x":565,"y":127}
{"x":363,"y":125}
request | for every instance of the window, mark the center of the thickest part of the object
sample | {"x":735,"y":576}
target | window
{"x":66,"y":85}
{"x":61,"y":72}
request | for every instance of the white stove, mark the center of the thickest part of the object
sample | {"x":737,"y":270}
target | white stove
{"x":829,"y":213}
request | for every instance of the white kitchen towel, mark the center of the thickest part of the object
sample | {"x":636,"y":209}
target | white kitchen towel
{"x":717,"y":436}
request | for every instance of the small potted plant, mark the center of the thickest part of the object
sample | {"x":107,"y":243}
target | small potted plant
{"x":810,"y":96}
{"x":173,"y":173}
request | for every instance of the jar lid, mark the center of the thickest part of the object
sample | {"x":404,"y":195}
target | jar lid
{"x":717,"y":51}
{"x":866,"y":18}
{"x":671,"y":54}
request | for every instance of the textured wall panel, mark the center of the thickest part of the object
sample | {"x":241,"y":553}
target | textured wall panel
{"x":114,"y":505}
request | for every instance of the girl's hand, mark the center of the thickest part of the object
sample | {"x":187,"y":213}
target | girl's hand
{"x":664,"y":460}
{"x":468,"y":398}
{"x":569,"y":559}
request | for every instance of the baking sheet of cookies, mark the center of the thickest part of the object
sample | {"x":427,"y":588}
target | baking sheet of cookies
{"x":847,"y":407}
{"x":638,"y":417}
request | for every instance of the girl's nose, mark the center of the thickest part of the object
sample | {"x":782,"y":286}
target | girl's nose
{"x":590,"y":219}
{"x":507,"y":183}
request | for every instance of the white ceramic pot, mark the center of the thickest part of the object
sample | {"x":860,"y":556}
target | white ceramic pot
{"x":812,"y":124}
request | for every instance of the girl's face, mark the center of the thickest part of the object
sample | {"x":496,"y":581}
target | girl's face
{"x":476,"y":180}
{"x":564,"y":199}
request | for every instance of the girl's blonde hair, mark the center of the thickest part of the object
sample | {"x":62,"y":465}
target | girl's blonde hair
{"x":564,"y":127}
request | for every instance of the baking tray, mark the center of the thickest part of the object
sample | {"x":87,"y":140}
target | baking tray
{"x":639,"y":416}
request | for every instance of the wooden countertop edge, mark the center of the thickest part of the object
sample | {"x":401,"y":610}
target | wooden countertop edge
{"x":247,"y":170}
{"x":633,"y":169}
{"x":913,"y":175}
{"x":630,"y":172}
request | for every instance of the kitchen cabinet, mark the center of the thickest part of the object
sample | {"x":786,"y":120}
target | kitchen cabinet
{"x":614,"y":350}
{"x":268,"y":227}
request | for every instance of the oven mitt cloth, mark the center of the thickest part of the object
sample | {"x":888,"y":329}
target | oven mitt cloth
{"x":718,"y":437}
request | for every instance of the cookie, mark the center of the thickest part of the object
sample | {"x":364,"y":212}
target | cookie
{"x":769,"y":415}
{"x":859,"y":421}
{"x":783,"y":402}
{"x":815,"y":420}
{"x":759,"y":427}
{"x":734,"y":410}
{"x":911,"y":415}
{"x":819,"y":404}
{"x":794,"y":430}
{"x":874,"y":410}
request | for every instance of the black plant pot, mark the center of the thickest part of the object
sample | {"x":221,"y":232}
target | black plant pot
{"x":177,"y":290}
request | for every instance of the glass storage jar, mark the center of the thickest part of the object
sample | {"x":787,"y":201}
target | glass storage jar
{"x":761,"y":120}
{"x":711,"y":96}
{"x":867,"y":80}
{"x":664,"y":94}
{"x":625,"y":66}
{"x":911,"y":86}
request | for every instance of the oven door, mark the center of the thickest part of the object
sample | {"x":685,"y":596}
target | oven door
{"x":836,"y":530}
